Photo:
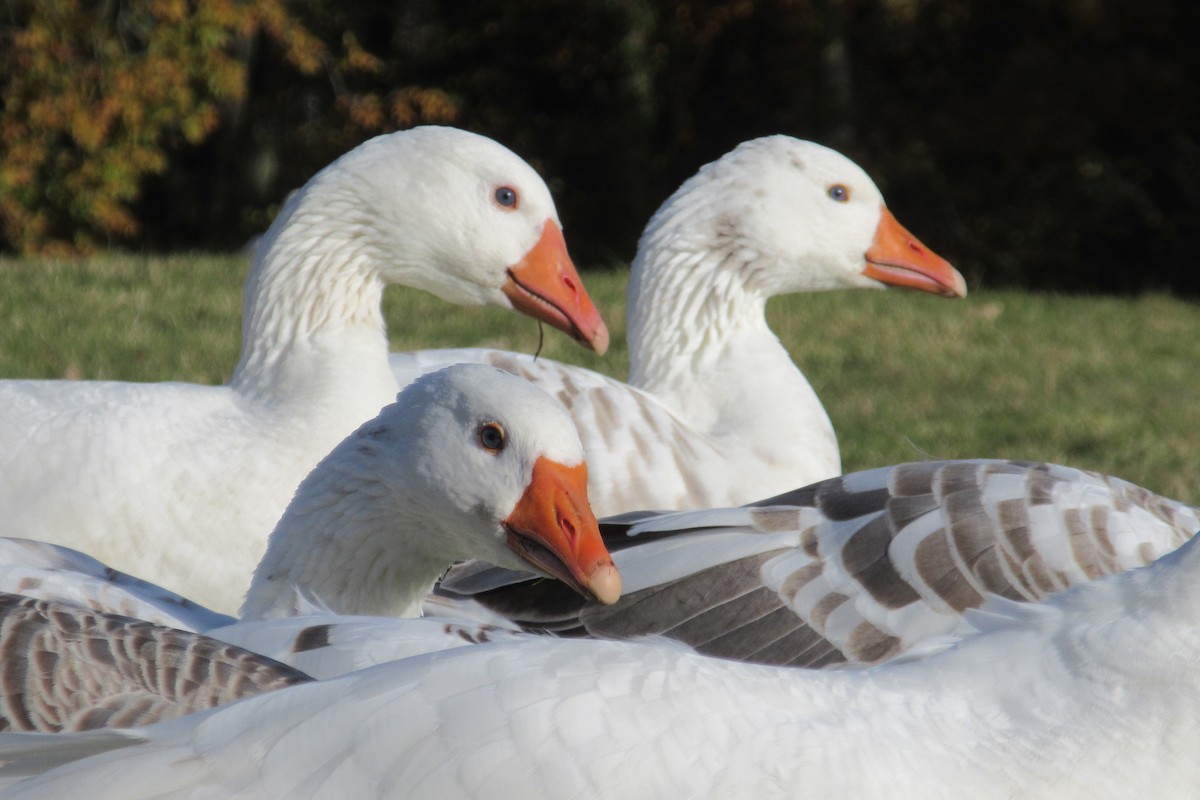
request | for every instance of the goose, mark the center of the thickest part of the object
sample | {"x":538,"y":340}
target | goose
{"x":180,"y":483}
{"x":715,"y":412}
{"x":468,"y":462}
{"x":859,"y":568}
{"x":1091,"y":693}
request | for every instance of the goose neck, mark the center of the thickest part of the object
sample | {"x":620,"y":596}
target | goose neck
{"x":313,"y":295}
{"x":344,"y":549}
{"x":688,"y":305}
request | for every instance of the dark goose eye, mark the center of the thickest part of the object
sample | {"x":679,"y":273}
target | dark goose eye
{"x":839,"y":192}
{"x":491,"y":437}
{"x":506,"y":196}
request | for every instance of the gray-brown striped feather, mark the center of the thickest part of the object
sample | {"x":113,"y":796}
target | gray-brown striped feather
{"x":883,"y":560}
{"x":67,"y":668}
{"x":659,"y":453}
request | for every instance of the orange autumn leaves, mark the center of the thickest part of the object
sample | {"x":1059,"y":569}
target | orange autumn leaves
{"x":93,"y":96}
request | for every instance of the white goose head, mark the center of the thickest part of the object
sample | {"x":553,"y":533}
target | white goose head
{"x":439,"y":209}
{"x":785,"y":215}
{"x":773,"y":216}
{"x":469,"y":462}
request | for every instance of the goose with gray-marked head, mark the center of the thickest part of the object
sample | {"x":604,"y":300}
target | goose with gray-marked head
{"x":469,"y":462}
{"x":1094,"y":693}
{"x":715,"y":412}
{"x":179,"y":483}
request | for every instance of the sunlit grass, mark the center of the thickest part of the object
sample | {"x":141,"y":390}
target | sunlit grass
{"x":122,"y":318}
{"x":1100,"y":383}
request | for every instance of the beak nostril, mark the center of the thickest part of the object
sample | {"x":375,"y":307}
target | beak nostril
{"x":568,"y":528}
{"x":570,"y":284}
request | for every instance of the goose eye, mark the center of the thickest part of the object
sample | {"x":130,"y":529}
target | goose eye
{"x":839,"y":192}
{"x":506,"y":197}
{"x":491,"y":437}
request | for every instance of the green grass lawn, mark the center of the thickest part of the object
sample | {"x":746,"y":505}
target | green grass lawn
{"x":1093,"y":382}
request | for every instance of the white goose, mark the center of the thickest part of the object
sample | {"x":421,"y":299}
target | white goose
{"x":468,"y":462}
{"x":1091,"y":694}
{"x":180,"y":483}
{"x":858,"y":568}
{"x":715,"y":413}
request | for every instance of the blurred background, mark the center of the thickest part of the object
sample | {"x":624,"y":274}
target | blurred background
{"x":1045,"y":144}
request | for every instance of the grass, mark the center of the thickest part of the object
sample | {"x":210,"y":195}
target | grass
{"x":1094,"y":382}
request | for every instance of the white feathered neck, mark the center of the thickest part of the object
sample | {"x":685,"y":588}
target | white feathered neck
{"x":409,"y":208}
{"x":755,"y":223}
{"x":312,"y":282}
{"x":383,"y":516}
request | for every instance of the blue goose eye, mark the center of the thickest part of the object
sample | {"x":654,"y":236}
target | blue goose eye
{"x":506,"y":196}
{"x":491,"y":437}
{"x":839,"y":192}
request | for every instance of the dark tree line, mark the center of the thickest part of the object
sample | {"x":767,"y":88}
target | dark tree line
{"x":1052,"y":145}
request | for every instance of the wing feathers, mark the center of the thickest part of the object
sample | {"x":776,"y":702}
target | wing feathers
{"x":67,"y":668}
{"x":869,"y":564}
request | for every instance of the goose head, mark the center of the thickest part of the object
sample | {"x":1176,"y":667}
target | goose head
{"x":469,"y":462}
{"x":447,"y":211}
{"x":792,"y":216}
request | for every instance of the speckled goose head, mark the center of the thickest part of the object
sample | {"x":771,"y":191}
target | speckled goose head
{"x":469,"y":462}
{"x":497,"y":466}
{"x":790,"y":216}
{"x":458,"y":215}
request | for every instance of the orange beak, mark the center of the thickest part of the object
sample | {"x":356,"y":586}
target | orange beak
{"x":553,"y":529}
{"x":545,"y":285}
{"x":898,"y":258}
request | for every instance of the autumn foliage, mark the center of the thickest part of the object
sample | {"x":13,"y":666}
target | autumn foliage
{"x":1048,"y":145}
{"x":95,"y":93}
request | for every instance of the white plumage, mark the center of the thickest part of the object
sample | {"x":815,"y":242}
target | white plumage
{"x":329,"y":645}
{"x":181,"y":483}
{"x":468,"y":462}
{"x":1091,"y":694}
{"x":715,"y":412}
{"x":52,"y":572}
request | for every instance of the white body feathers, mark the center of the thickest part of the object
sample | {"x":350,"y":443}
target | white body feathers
{"x":181,"y":483}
